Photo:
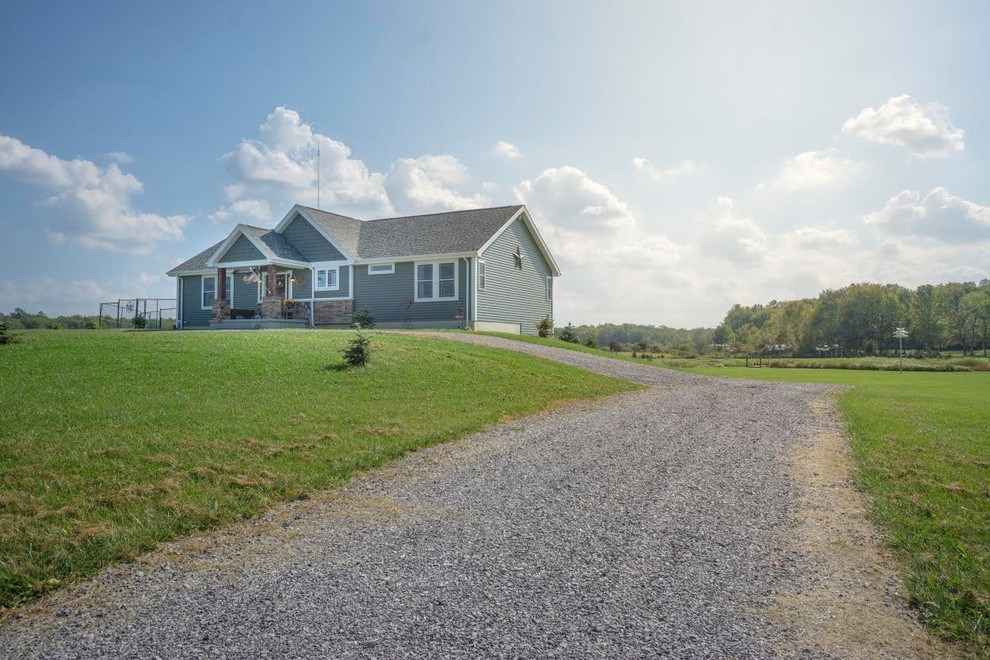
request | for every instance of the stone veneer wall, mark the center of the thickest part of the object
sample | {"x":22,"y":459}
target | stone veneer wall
{"x":334,"y":312}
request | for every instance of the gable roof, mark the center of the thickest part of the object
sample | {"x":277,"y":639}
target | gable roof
{"x":272,"y":246}
{"x":453,"y":232}
{"x":196,"y":263}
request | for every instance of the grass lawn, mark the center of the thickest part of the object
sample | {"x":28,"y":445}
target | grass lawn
{"x":922,"y":444}
{"x":113,"y":441}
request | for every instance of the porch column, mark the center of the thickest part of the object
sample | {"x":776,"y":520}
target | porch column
{"x":221,"y":306}
{"x":272,"y":286}
{"x":271,"y":304}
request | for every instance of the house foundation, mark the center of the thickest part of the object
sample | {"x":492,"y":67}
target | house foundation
{"x":333,"y":312}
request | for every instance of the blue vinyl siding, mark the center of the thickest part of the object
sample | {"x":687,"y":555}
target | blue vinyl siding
{"x":390,"y":298}
{"x":514,"y":295}
{"x":241,"y":250}
{"x":343,"y":291}
{"x":310,"y":242}
{"x":193,"y":316}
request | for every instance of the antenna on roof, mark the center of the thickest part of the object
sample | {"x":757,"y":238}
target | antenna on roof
{"x":317,"y":171}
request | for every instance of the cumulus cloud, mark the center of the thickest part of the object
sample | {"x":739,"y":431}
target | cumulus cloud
{"x":813,"y":169}
{"x":570,"y":195}
{"x":938,"y":215}
{"x":88,"y":205}
{"x":279,"y":168}
{"x":685,"y":169}
{"x":726,"y":235}
{"x":430,"y":184}
{"x":506,"y":150}
{"x":901,"y":121}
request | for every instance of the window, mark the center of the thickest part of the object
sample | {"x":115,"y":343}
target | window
{"x":549,"y":287}
{"x":326,"y":279}
{"x":482,"y":275}
{"x":436,"y":281}
{"x":381,"y":269}
{"x":210,"y":290}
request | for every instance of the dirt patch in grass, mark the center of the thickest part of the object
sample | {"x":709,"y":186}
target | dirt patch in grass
{"x":853,"y":605}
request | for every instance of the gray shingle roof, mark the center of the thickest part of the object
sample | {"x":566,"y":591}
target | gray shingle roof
{"x":196,"y":263}
{"x":452,"y":232}
{"x":436,"y":233}
{"x":278,"y":246}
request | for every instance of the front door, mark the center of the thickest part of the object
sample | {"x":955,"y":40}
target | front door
{"x":281,"y":284}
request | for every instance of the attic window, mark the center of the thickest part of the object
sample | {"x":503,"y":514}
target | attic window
{"x":518,"y":257}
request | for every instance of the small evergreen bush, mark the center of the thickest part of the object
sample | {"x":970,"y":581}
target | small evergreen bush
{"x":545,"y":327}
{"x":358,"y":351}
{"x":363,"y":318}
{"x":6,"y":336}
{"x":568,"y":334}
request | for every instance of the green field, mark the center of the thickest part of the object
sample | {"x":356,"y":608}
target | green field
{"x":922,"y":444}
{"x":113,"y":441}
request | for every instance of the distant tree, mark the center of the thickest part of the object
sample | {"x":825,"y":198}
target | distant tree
{"x":614,"y":346}
{"x":592,"y":339}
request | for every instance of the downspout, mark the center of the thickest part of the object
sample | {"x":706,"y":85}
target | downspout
{"x":312,"y":297}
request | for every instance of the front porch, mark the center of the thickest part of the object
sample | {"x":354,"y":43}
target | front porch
{"x":258,"y":324}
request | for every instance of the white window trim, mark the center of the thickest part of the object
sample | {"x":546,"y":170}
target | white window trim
{"x":549,"y":290}
{"x":482,"y":275}
{"x":316,"y":277}
{"x":390,"y":271}
{"x":202,"y":290}
{"x":436,"y":280}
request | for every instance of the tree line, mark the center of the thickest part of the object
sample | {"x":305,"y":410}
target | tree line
{"x":860,"y":319}
{"x":22,"y":320}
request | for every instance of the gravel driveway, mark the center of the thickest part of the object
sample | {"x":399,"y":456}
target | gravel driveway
{"x":643,"y":525}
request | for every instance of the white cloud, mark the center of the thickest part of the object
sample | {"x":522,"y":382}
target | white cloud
{"x":429,"y":184}
{"x":924,"y":130}
{"x":279,"y":169}
{"x":120,"y":157}
{"x":572,"y":197}
{"x":506,"y":150}
{"x":685,"y":169}
{"x":89,"y":205}
{"x":726,"y":235}
{"x":813,"y":169}
{"x":938,"y":215}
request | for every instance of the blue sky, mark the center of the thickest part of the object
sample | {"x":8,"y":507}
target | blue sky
{"x":678,"y":157}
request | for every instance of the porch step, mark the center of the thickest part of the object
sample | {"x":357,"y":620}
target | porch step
{"x":257,"y":324}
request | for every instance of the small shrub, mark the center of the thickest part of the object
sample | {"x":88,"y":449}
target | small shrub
{"x":545,"y":327}
{"x":93,"y":324}
{"x":139,"y":322}
{"x":358,"y":351}
{"x":591,"y":341}
{"x":6,"y":336}
{"x":614,"y":346}
{"x":568,"y":334}
{"x":55,"y":325}
{"x":364,"y":319}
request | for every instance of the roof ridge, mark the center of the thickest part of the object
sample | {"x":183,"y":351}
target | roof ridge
{"x":423,"y":215}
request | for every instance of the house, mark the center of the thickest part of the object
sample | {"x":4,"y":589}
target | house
{"x":484,"y":269}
